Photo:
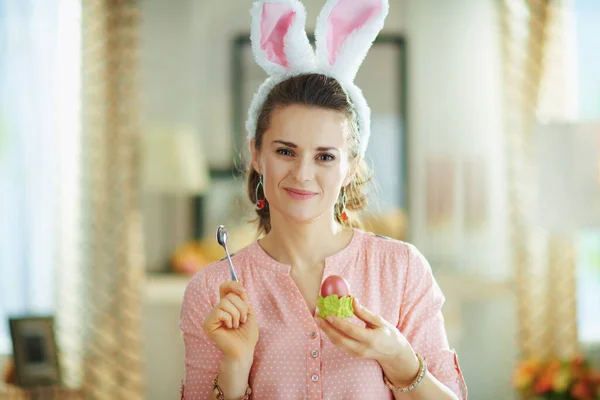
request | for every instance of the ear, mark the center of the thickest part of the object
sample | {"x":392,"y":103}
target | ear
{"x":352,"y":171}
{"x":255,"y":157}
{"x":278,"y":36}
{"x":345,"y":32}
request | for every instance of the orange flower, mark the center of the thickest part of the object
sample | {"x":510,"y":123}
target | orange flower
{"x":581,"y":390}
{"x":594,"y":376}
{"x":578,"y":361}
{"x":555,"y":376}
{"x":554,"y":366}
{"x":525,"y":373}
{"x":543,"y":384}
{"x":579,"y":367}
{"x":562,"y":380}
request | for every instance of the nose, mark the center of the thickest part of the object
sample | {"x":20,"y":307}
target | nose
{"x":303,"y":169}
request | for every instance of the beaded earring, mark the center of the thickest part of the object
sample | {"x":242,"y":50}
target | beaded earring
{"x":260,"y":204}
{"x":342,"y":207}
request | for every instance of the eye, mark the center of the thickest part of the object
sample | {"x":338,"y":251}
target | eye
{"x":284,"y":152}
{"x":325,"y":157}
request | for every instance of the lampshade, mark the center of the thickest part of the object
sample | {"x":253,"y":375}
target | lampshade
{"x":568,"y":184}
{"x":173,"y":162}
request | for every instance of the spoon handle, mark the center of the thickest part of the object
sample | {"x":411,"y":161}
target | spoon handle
{"x":231,"y":269}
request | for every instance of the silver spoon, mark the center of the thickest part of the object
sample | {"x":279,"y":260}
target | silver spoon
{"x":222,"y":239}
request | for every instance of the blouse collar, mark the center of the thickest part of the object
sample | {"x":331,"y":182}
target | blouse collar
{"x":334,"y":264}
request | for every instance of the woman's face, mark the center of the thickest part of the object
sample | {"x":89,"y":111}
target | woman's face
{"x":304,"y":161}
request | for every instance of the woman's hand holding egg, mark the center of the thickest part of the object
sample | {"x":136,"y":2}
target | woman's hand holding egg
{"x":379,"y":339}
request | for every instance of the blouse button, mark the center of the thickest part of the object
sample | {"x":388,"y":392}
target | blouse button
{"x":315,"y":378}
{"x":313,"y":335}
{"x":315,"y":353}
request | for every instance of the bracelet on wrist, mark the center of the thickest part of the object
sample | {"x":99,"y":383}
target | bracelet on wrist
{"x":221,"y":396}
{"x":414,"y":383}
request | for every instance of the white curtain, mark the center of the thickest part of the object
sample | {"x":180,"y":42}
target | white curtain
{"x":39,"y":125}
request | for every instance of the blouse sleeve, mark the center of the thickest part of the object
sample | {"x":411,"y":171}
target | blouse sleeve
{"x":202,"y":356}
{"x":422,"y":323}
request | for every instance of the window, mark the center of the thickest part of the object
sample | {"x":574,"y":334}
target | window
{"x":39,"y":141}
{"x":588,"y":287}
{"x":587,"y":15}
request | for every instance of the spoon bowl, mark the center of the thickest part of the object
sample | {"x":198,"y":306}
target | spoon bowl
{"x":222,"y":240}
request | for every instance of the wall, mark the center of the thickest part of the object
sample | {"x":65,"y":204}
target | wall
{"x":169,"y":100}
{"x":456,"y":113}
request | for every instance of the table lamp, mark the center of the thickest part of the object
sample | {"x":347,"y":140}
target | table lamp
{"x":173,"y":162}
{"x":174,"y":173}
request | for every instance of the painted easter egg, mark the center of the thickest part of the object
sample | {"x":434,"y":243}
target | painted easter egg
{"x":335,"y":284}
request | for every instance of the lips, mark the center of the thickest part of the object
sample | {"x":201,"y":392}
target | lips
{"x":300,"y":194}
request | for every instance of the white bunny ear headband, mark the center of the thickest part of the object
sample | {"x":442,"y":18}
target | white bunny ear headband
{"x":344,"y":34}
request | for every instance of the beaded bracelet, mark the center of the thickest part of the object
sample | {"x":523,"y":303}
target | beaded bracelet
{"x":221,"y":396}
{"x":415,"y":383}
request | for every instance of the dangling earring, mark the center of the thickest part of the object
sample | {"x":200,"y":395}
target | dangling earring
{"x":342,"y":207}
{"x":260,"y":204}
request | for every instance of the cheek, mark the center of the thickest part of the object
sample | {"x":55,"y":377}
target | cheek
{"x":271,"y":164}
{"x":274,"y":171}
{"x":332,"y":177}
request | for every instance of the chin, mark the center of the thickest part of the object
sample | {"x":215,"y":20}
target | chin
{"x":301,"y":214}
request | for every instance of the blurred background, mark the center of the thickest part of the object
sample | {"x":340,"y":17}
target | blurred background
{"x":122,"y":148}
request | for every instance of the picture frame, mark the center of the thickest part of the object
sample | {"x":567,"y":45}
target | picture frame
{"x":441,"y":177}
{"x":35,"y":352}
{"x":475,"y":195}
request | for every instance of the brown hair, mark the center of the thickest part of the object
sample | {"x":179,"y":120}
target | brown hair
{"x":313,"y":90}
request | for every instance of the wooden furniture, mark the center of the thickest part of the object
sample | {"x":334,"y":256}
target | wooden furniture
{"x":11,"y":392}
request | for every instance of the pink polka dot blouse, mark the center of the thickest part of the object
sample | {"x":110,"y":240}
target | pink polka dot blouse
{"x":293,"y":359}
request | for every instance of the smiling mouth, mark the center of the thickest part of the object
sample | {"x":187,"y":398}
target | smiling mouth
{"x":300,"y":194}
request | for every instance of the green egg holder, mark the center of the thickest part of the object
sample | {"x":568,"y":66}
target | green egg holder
{"x":335,"y":305}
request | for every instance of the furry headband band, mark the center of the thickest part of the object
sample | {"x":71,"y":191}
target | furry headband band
{"x":344,"y":34}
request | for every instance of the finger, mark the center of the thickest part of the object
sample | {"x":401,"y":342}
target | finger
{"x":237,"y":288}
{"x":232,"y":286}
{"x":338,"y":338}
{"x":224,"y":317}
{"x":239,"y":304}
{"x":227,"y":306}
{"x":349,"y":329}
{"x":372,"y":320}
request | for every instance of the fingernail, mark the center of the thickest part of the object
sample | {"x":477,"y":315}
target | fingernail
{"x":241,"y":289}
{"x":244,"y":319}
{"x":330,"y":319}
{"x":358,"y":305}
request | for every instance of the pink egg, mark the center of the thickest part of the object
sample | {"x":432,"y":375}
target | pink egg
{"x":335,"y":284}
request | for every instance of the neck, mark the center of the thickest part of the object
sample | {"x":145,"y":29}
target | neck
{"x":304,"y":246}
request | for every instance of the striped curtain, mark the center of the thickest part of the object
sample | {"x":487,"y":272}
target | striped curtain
{"x":112,"y":268}
{"x":537,"y":87}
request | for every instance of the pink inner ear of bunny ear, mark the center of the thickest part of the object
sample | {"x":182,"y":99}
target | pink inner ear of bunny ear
{"x":345,"y":17}
{"x":276,"y":20}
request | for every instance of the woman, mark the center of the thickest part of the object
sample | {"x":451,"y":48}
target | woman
{"x":262,"y":337}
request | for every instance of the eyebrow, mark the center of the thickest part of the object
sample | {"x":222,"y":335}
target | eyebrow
{"x":294,"y":146}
